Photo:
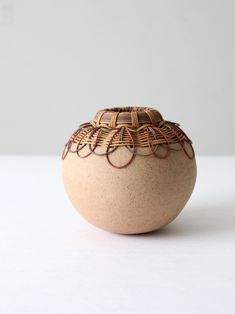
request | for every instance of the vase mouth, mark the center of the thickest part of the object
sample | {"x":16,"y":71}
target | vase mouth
{"x":127,"y":109}
{"x":132,"y":116}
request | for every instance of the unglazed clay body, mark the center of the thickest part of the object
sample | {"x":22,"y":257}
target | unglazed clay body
{"x":141,"y":197}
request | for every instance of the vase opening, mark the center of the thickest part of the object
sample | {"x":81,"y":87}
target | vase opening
{"x":126,"y":109}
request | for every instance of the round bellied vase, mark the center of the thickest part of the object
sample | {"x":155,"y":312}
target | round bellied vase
{"x":129,"y":170}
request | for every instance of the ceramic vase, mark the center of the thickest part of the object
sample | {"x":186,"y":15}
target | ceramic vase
{"x":129,"y":170}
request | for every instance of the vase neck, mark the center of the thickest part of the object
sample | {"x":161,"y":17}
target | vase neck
{"x":133,"y":117}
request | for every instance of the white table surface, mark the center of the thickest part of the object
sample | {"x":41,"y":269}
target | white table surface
{"x":52,"y":261}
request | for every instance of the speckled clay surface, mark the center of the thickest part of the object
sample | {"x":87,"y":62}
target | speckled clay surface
{"x":145,"y":196}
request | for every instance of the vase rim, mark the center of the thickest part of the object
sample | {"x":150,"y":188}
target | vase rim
{"x":133,"y":116}
{"x":127,"y":109}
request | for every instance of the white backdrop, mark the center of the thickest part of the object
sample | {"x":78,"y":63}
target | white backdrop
{"x":62,"y":60}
